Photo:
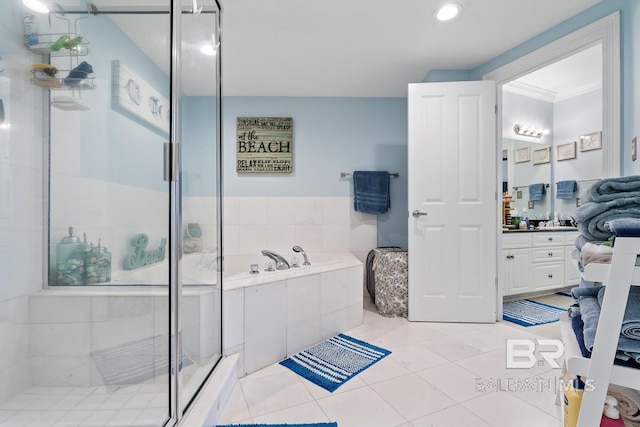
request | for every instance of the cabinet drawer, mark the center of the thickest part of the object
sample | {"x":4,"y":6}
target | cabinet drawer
{"x":548,"y":254}
{"x":517,"y":239}
{"x":548,"y":239}
{"x":547,"y":275}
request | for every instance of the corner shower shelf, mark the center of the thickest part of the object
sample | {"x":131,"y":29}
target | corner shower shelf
{"x":44,"y":48}
{"x":59,"y":83}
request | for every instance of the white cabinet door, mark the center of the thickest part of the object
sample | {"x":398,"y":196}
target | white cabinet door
{"x":517,"y":267}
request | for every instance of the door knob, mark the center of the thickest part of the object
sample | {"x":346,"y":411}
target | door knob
{"x":417,"y":213}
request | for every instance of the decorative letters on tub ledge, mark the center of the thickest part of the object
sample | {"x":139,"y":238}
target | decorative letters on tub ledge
{"x":141,"y":257}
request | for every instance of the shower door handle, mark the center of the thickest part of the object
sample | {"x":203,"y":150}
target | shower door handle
{"x":170,"y":161}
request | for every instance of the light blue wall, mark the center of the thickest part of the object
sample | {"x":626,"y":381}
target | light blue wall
{"x":116,"y":148}
{"x":199,"y":174}
{"x":331,"y":135}
{"x":574,"y":117}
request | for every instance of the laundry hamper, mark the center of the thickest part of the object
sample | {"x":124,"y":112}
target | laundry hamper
{"x":391,"y":274}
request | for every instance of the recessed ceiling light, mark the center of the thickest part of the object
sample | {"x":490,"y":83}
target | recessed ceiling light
{"x":448,"y":11}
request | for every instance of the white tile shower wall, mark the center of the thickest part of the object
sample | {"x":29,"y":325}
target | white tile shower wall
{"x":318,"y":224}
{"x":22,"y":160}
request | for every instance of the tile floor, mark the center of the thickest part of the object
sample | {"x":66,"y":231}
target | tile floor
{"x":439,"y":374}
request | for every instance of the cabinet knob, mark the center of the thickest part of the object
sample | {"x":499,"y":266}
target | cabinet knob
{"x":550,"y":253}
{"x":551,"y":239}
{"x":550,"y":276}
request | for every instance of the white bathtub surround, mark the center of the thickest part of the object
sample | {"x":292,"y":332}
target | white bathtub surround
{"x":272,"y":315}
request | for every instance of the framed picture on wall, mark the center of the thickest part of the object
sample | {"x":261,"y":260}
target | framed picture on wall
{"x":566,"y":151}
{"x":542,"y":155}
{"x":521,"y":155}
{"x":591,"y":141}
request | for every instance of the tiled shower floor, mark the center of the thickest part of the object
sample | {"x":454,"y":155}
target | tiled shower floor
{"x":135,"y":405}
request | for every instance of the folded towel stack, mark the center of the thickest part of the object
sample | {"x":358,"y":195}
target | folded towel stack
{"x":607,"y":200}
{"x":536,"y":191}
{"x":590,"y":301}
{"x":566,"y":189}
{"x":371,"y":192}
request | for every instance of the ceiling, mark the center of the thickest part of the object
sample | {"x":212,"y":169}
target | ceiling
{"x":369,"y":48}
{"x":352,"y":48}
{"x":569,"y":77}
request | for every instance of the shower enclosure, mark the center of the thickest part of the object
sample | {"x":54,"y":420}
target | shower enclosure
{"x":110,"y":210}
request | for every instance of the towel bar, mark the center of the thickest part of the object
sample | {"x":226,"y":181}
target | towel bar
{"x":392,"y":174}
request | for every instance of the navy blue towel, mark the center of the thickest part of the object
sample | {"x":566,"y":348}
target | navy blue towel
{"x":81,"y":72}
{"x":536,"y":191}
{"x":566,"y":189}
{"x":371,"y":192}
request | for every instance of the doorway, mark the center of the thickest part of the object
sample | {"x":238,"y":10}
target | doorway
{"x":604,"y":33}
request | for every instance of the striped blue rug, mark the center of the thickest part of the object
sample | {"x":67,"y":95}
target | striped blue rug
{"x":335,"y":361}
{"x":527,"y":312}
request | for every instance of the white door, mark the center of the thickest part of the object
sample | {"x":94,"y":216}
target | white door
{"x":453,"y":208}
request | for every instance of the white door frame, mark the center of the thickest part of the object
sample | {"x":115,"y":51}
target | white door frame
{"x":605,"y":31}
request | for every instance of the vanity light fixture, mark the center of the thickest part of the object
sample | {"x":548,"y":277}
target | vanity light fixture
{"x":532,"y":131}
{"x":447,"y":11}
{"x":36,"y":6}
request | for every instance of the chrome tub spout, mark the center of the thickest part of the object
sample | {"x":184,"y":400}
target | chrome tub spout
{"x":281,"y":262}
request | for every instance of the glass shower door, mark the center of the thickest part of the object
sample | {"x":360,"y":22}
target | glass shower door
{"x":201,"y":265}
{"x":109,"y":222}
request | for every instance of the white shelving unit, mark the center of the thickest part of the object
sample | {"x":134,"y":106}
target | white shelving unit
{"x":618,"y":277}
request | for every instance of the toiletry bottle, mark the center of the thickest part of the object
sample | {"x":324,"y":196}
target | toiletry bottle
{"x":98,"y":265}
{"x":31,"y":29}
{"x":572,"y":400}
{"x":610,"y":414}
{"x":70,"y":260}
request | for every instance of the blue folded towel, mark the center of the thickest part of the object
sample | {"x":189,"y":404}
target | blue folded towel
{"x":590,"y":306}
{"x":536,"y":191}
{"x":613,"y":188}
{"x":625,"y":227}
{"x":371,"y":192}
{"x":593,"y":217}
{"x":566,"y":189}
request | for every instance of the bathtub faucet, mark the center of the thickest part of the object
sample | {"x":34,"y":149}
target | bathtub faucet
{"x":299,"y":249}
{"x":281,"y":263}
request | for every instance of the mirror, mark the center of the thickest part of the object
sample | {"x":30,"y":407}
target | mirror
{"x":526,"y":165}
{"x":564,"y":98}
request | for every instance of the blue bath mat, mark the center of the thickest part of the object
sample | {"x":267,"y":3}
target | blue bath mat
{"x":281,"y":425}
{"x":335,"y":361}
{"x":527,"y":312}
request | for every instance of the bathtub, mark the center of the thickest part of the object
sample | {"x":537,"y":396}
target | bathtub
{"x":201,"y":269}
{"x":271,"y":315}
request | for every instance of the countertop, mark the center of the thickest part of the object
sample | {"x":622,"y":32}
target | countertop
{"x":543,"y":229}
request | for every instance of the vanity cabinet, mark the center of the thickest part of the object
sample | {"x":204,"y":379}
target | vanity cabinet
{"x":537,"y":261}
{"x":516,"y":263}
